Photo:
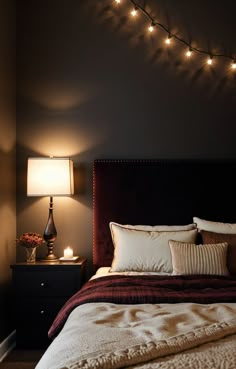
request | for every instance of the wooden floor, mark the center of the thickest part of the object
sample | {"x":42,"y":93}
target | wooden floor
{"x":22,"y":359}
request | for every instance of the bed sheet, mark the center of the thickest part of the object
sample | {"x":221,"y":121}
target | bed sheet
{"x":105,"y":271}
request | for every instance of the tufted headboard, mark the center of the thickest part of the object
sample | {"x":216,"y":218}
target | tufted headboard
{"x":158,"y":192}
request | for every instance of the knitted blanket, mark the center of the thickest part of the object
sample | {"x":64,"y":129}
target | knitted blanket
{"x":145,"y":336}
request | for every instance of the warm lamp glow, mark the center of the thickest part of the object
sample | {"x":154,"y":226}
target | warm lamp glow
{"x":50,"y":177}
{"x":233,"y":65}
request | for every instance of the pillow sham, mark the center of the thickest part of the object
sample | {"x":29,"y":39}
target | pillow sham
{"x":161,"y":228}
{"x":149,"y":251}
{"x":219,"y":227}
{"x":189,"y":258}
{"x":213,"y":237}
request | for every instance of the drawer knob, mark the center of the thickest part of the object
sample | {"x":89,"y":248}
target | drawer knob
{"x":42,"y":312}
{"x":42,"y":284}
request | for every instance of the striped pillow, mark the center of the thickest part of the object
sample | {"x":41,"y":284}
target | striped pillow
{"x":188,"y":258}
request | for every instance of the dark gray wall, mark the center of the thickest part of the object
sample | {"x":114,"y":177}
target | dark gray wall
{"x":91,"y":84}
{"x":7,"y":163}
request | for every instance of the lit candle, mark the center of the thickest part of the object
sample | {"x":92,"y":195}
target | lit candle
{"x":68,"y":253}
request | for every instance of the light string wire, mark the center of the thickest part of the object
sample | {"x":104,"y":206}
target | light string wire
{"x":154,"y":23}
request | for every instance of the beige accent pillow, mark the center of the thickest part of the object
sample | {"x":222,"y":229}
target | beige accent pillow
{"x":149,"y":251}
{"x":217,"y":227}
{"x":189,"y":258}
{"x":161,"y":228}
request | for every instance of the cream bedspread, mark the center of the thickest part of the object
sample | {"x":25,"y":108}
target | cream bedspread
{"x":187,"y":335}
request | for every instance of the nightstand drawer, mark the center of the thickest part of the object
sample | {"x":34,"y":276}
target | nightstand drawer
{"x":48,"y":283}
{"x":34,"y":318}
{"x":35,"y":309}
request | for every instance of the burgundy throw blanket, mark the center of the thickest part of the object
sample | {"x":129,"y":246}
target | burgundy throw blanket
{"x":149,"y":289}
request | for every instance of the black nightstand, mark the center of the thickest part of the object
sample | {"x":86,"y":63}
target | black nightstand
{"x":41,"y":289}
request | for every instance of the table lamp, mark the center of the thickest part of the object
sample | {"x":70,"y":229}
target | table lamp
{"x":50,"y":177}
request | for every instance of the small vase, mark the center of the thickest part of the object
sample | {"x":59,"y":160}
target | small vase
{"x":30,"y":254}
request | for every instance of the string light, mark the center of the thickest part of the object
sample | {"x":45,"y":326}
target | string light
{"x":168,"y":40}
{"x":189,"y":53}
{"x":154,"y":23}
{"x":210,"y":60}
{"x":151,"y":28}
{"x":134,"y":12}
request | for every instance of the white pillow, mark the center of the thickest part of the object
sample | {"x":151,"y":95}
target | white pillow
{"x":166,"y":228}
{"x":218,"y":227}
{"x":149,"y":251}
{"x":188,"y":258}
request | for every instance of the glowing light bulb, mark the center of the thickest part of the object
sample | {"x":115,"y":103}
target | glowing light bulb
{"x":168,"y":40}
{"x":134,"y":12}
{"x":233,"y":65}
{"x":189,"y":53}
{"x":118,"y":1}
{"x":210,"y":61}
{"x":151,"y":28}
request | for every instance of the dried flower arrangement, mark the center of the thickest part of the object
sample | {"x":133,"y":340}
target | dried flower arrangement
{"x":30,"y":240}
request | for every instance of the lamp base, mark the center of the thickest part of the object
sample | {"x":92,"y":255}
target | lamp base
{"x":50,"y":234}
{"x":50,"y":257}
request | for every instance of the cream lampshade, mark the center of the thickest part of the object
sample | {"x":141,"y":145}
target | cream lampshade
{"x":50,"y":177}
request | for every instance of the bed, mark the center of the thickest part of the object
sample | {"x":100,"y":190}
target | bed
{"x":163,"y":293}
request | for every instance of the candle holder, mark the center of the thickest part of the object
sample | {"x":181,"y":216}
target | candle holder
{"x":74,"y":259}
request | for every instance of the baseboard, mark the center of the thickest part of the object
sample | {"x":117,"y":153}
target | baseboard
{"x":7,"y":345}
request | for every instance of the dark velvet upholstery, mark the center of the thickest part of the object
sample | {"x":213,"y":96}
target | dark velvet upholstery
{"x":159,"y":192}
